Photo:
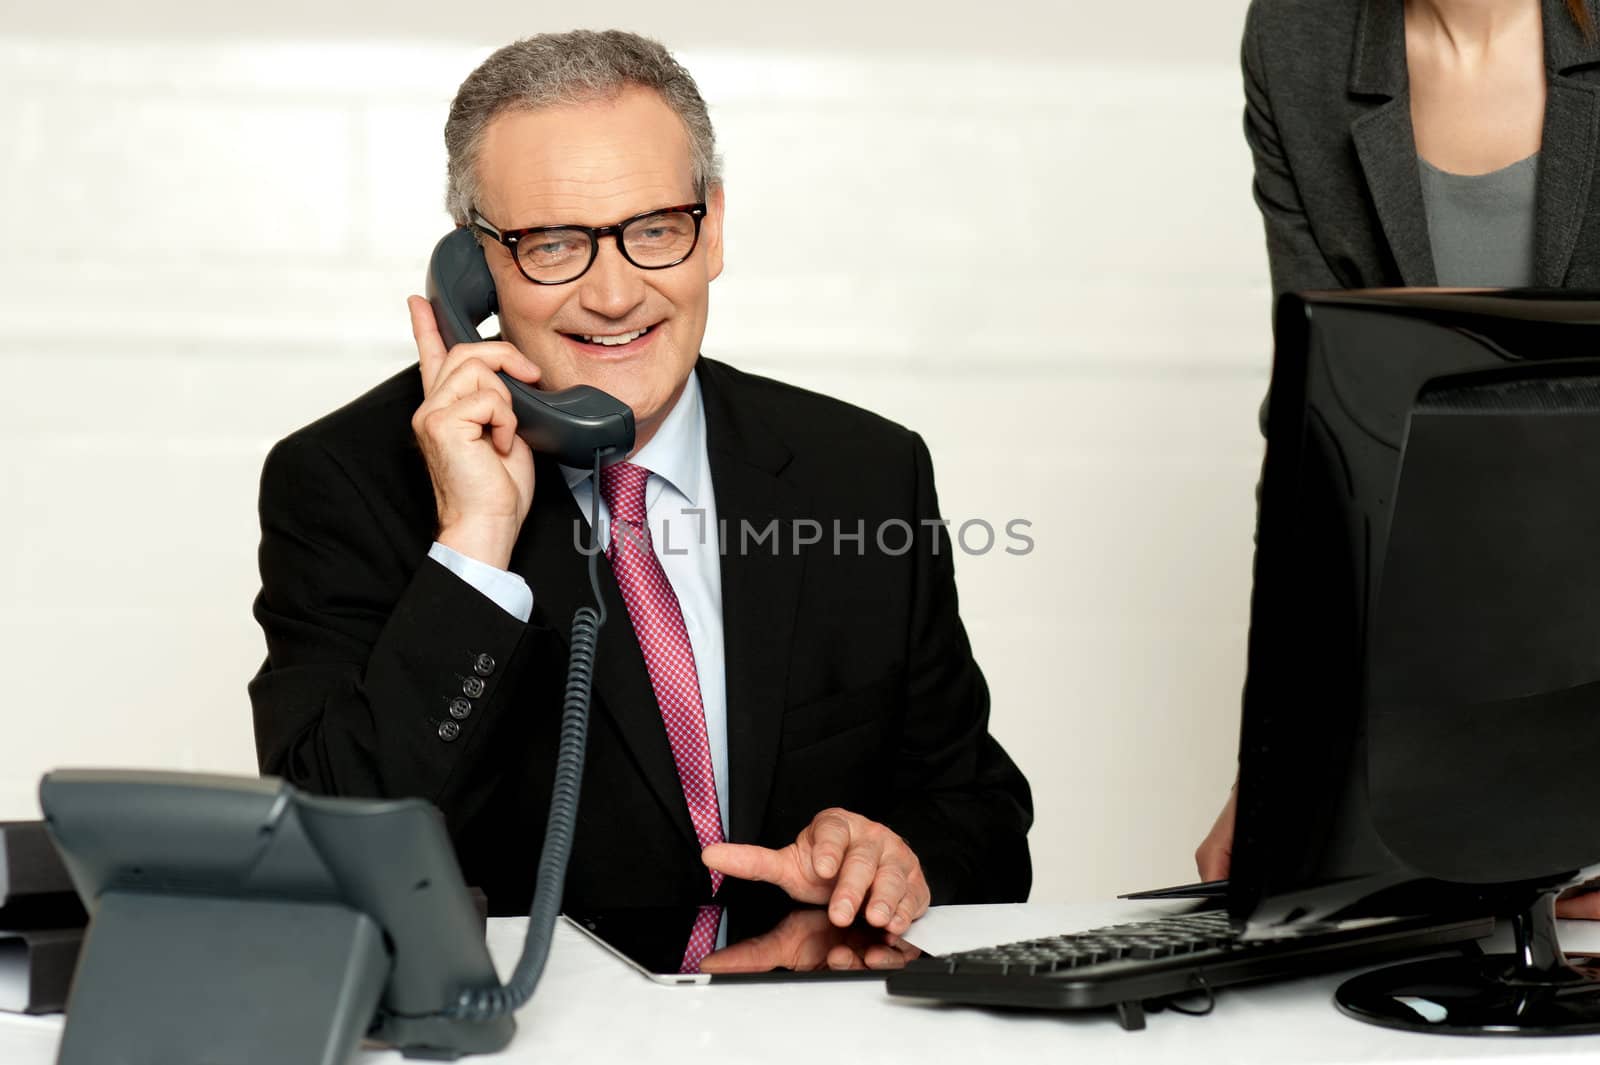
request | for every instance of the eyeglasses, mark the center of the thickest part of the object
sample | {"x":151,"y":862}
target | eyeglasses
{"x":555,"y":255}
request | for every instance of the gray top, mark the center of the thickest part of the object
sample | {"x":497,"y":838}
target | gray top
{"x":1481,"y":225}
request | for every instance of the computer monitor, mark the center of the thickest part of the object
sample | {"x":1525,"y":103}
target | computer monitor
{"x":1422,"y":707}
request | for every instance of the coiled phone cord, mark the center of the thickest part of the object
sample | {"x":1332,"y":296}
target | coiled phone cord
{"x":482,"y":1004}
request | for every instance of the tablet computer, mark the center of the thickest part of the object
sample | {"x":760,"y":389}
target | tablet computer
{"x":687,"y":945}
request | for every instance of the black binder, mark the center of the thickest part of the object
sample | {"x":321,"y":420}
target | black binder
{"x":36,"y":967}
{"x":29,"y":865}
{"x":41,"y":921}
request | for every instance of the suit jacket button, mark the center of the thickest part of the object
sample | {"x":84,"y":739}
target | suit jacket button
{"x":473,"y":686}
{"x":460,"y":708}
{"x":449,"y":730}
{"x":484,"y":665}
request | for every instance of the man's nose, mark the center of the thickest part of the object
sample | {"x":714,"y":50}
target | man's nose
{"x":613,"y":286}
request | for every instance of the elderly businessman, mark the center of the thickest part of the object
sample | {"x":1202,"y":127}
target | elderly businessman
{"x":769,"y":704}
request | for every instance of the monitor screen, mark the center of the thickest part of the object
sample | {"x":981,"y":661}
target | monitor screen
{"x":1425,"y":621}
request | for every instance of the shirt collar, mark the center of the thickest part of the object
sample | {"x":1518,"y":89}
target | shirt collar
{"x":674,"y":453}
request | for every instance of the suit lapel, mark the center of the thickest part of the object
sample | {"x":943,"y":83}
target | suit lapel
{"x":1566,"y":165}
{"x":548,"y":558}
{"x":1385,"y":142}
{"x":1387,"y":150}
{"x":1567,"y":154}
{"x":760,"y":590}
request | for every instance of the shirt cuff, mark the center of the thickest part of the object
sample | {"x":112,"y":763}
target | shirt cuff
{"x":505,"y":589}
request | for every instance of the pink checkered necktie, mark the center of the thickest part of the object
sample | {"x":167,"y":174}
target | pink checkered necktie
{"x":702,"y":938}
{"x":668,"y":657}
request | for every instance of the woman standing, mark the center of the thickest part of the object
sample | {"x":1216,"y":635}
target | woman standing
{"x":1419,"y":143}
{"x":1425,"y":142}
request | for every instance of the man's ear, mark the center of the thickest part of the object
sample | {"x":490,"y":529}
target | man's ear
{"x":711,"y":231}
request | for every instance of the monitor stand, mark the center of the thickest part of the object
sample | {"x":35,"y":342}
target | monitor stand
{"x":1536,"y":991}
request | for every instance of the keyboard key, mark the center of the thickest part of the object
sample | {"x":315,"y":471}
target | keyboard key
{"x":982,"y":965}
{"x":1149,"y":950}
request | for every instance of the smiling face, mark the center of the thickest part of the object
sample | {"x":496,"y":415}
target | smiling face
{"x":596,"y":164}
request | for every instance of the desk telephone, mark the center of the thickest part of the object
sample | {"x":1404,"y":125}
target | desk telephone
{"x":572,"y":424}
{"x":352,"y":912}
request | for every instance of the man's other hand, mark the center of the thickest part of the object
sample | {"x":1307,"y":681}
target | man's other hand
{"x":482,"y":471}
{"x":1215,"y":853}
{"x":842,"y":859}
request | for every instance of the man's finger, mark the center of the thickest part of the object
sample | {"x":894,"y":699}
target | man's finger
{"x":749,"y":862}
{"x":470,"y":418}
{"x":425,"y":331}
{"x":830,"y":836}
{"x":856,"y":873}
{"x":495,"y":354}
{"x":520,"y":366}
{"x":502,"y":426}
{"x":888,"y":892}
{"x":904,"y":914}
{"x":458,"y":379}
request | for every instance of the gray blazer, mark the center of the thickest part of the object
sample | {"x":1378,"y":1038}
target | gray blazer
{"x":1328,"y":118}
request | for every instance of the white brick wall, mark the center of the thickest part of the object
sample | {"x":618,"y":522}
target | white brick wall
{"x":1049,"y":266}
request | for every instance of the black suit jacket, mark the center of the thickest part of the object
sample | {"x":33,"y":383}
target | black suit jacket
{"x":1328,"y":119}
{"x":850,"y":681}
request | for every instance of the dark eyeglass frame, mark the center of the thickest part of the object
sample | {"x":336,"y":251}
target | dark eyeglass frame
{"x":510,"y":237}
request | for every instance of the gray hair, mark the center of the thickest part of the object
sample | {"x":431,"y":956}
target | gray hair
{"x":568,"y":68}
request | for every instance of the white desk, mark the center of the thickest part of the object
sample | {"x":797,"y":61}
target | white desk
{"x":593,"y":1010}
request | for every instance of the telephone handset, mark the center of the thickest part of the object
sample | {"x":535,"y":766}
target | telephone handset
{"x":571,"y":425}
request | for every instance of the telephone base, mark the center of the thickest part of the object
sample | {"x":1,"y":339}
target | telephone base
{"x":174,"y":980}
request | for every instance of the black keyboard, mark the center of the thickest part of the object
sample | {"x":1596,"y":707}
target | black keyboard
{"x":1148,"y":964}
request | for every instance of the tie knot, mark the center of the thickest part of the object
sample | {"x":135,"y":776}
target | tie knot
{"x":622,"y":487}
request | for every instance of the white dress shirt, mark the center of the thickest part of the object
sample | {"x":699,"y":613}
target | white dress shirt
{"x":682,"y":514}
